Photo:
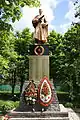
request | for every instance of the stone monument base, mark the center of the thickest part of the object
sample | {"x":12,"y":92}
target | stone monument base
{"x":42,"y":90}
{"x":47,"y":115}
{"x":38,"y":112}
{"x":54,"y":106}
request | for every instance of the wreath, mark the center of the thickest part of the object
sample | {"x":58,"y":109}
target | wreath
{"x":39,"y":50}
{"x":30,"y":93}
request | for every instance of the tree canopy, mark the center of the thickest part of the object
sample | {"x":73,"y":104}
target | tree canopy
{"x":10,"y":11}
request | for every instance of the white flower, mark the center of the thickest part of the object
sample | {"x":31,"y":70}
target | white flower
{"x":30,"y":98}
{"x":34,"y":100}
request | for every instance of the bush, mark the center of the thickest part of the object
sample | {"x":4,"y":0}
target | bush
{"x":7,"y":105}
{"x":16,"y":104}
{"x":68,"y":104}
{"x":8,"y":96}
{"x":63,"y":97}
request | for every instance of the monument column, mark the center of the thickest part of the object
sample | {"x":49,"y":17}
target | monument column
{"x":38,"y":67}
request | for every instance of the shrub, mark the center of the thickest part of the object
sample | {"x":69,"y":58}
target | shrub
{"x":69,"y":104}
{"x":16,"y":104}
{"x":63,"y":97}
{"x":7,"y":105}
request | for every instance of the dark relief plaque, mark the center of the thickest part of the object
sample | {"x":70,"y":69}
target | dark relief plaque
{"x":39,"y":50}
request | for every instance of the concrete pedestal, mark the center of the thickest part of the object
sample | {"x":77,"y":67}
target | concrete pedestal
{"x":47,"y":115}
{"x":38,"y":67}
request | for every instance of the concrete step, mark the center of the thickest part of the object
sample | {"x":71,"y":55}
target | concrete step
{"x":46,"y":114}
{"x":57,"y":118}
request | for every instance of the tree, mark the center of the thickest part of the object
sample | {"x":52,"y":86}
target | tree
{"x":14,"y":50}
{"x":3,"y":66}
{"x":72,"y":44}
{"x":56,"y":45}
{"x":65,"y":61}
{"x":7,"y":52}
{"x":22,"y":70}
{"x":23,"y":40}
{"x":77,"y":9}
{"x":10,"y":10}
{"x":8,"y":58}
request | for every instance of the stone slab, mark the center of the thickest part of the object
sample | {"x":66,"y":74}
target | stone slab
{"x":46,"y":114}
{"x":57,"y":118}
{"x":73,"y":115}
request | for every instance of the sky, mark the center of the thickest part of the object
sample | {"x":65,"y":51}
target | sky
{"x":59,"y":13}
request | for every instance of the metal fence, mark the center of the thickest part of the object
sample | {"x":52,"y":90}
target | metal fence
{"x":8,"y":88}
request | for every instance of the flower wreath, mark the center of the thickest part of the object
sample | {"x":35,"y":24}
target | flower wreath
{"x":45,"y":93}
{"x":30,"y":93}
{"x":39,"y":52}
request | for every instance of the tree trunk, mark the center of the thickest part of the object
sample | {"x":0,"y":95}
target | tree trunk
{"x":13,"y":87}
{"x":13,"y":82}
{"x":21,"y":86}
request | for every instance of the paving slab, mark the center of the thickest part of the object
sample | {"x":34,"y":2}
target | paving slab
{"x":57,"y":118}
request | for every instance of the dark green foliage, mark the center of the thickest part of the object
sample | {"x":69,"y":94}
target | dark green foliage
{"x":5,"y":106}
{"x":63,"y":97}
{"x":8,"y":96}
{"x":65,"y":61}
{"x":14,"y":57}
{"x":14,"y":50}
{"x":23,"y":40}
{"x":72,"y":42}
{"x":68,"y":104}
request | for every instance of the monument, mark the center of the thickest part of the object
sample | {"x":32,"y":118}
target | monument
{"x":38,"y":99}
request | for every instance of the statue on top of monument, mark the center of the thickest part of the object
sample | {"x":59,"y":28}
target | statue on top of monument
{"x":41,"y":28}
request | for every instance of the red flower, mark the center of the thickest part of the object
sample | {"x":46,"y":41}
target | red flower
{"x":45,"y":90}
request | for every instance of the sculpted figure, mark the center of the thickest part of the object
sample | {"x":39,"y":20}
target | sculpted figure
{"x":41,"y":27}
